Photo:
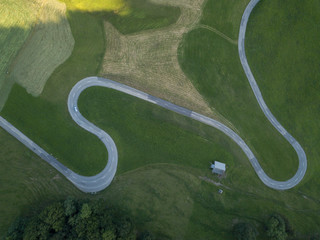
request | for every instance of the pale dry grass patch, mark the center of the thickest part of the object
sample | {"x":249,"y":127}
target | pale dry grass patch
{"x":16,"y":22}
{"x":49,"y":45}
{"x":148,"y":60}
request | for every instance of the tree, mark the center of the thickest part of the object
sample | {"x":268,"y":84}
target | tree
{"x":85,"y":211}
{"x":54,"y":216}
{"x":124,"y":227}
{"x":276,"y":228}
{"x":17,"y":229}
{"x":244,"y":231}
{"x":108,"y":235}
{"x":70,"y":206}
{"x":315,"y":237}
{"x":75,"y":219}
{"x":146,"y":236}
{"x":36,"y":230}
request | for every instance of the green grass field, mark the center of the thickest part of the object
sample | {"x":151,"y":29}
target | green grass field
{"x":283,"y":52}
{"x":16,"y":23}
{"x":177,"y":152}
{"x":164,"y":157}
{"x":225,"y":16}
{"x":158,"y":178}
{"x":35,"y":38}
{"x":49,"y":45}
{"x":129,"y":16}
{"x":220,"y":79}
{"x":58,"y":134}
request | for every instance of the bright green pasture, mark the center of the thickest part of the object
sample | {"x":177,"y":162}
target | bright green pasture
{"x":45,"y":119}
{"x":147,"y":134}
{"x":282,"y":46}
{"x":225,"y":16}
{"x":16,"y":22}
{"x":163,"y":158}
{"x":213,"y":65}
{"x":25,"y":181}
{"x":169,"y":192}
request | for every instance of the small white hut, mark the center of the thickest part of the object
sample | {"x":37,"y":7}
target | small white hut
{"x":218,"y":167}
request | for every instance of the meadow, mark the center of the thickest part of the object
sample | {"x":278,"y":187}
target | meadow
{"x":283,"y":52}
{"x":13,"y":33}
{"x":35,"y":38}
{"x":220,"y":79}
{"x":172,"y":154}
{"x":163,"y":178}
{"x":56,"y":133}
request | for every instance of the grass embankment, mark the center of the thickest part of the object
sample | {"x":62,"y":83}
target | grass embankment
{"x":212,"y":63}
{"x":45,"y":119}
{"x":17,"y":19}
{"x":283,"y":48}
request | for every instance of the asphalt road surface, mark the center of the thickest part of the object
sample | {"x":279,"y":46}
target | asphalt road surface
{"x":254,"y":86}
{"x":104,"y":178}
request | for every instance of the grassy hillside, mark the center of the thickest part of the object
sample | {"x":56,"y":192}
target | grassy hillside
{"x":225,"y":16}
{"x":148,"y":61}
{"x":128,"y":16}
{"x":35,"y":38}
{"x":213,"y":65}
{"x":45,"y":119}
{"x":49,"y":45}
{"x":283,"y":52}
{"x":25,"y":180}
{"x":163,"y":177}
{"x":171,"y":153}
{"x":17,"y":19}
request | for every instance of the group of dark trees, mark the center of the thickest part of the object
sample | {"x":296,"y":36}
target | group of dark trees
{"x":76,"y":219}
{"x":276,"y":227}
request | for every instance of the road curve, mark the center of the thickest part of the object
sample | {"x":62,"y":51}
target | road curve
{"x":86,"y":184}
{"x":254,"y":86}
{"x":104,"y":178}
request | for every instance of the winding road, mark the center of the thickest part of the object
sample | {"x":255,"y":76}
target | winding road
{"x":103,"y":179}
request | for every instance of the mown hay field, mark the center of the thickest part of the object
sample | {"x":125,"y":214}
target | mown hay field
{"x":16,"y":22}
{"x":50,"y":44}
{"x":45,"y":119}
{"x":35,"y":39}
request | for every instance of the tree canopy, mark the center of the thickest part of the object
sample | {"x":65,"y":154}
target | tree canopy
{"x":244,"y":231}
{"x":276,"y":228}
{"x":75,"y":219}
